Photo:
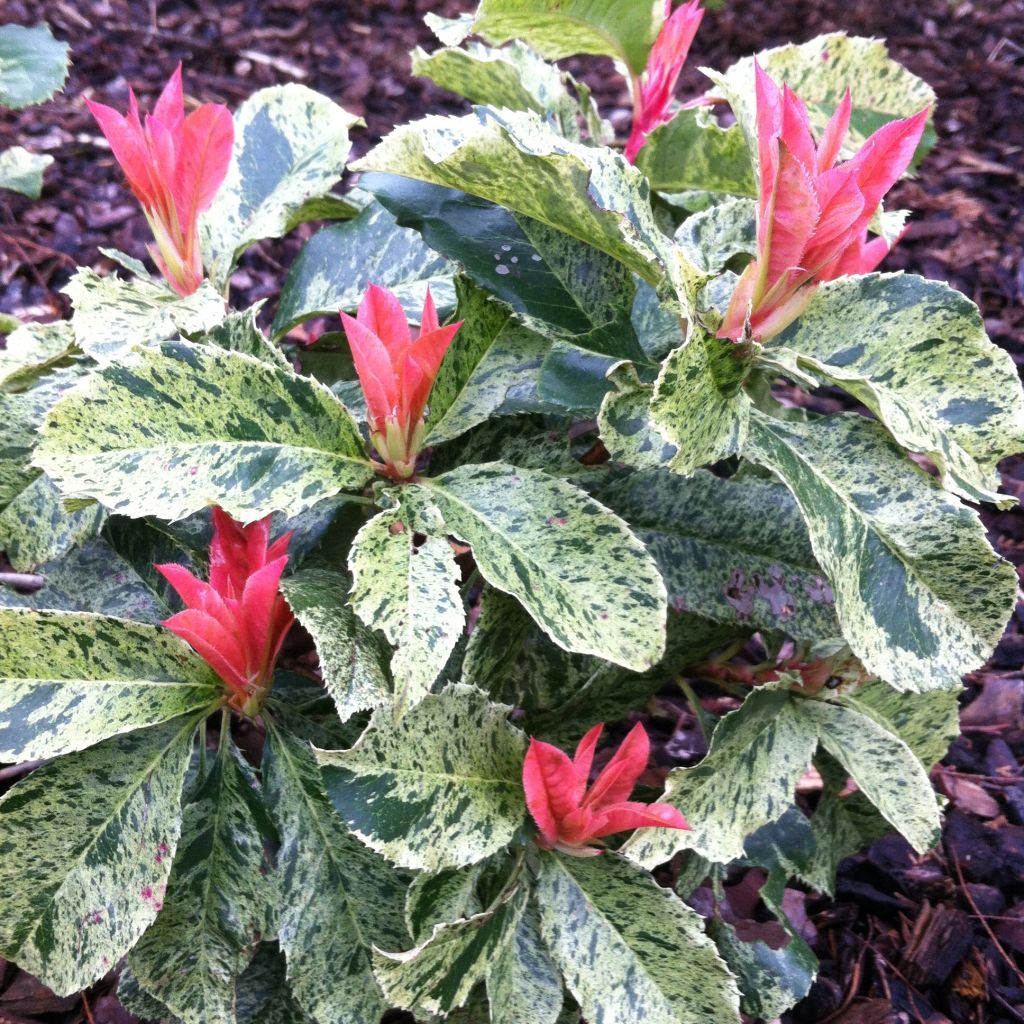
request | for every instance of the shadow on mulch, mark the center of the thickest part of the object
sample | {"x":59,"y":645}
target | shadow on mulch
{"x":908,"y":938}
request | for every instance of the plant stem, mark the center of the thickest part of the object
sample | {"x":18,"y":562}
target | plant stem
{"x":698,"y":710}
{"x":202,"y":751}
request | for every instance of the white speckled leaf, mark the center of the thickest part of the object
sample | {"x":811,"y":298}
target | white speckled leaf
{"x":441,"y":898}
{"x":69,"y":680}
{"x":338,"y":264}
{"x":623,"y":29}
{"x":410,"y":593}
{"x":337,"y":898}
{"x":86,"y":845}
{"x":819,"y":72}
{"x":22,"y":171}
{"x":239,"y":332}
{"x":217,"y":900}
{"x":111,"y":316}
{"x":291,"y":144}
{"x":31,"y":349}
{"x":352,"y":658}
{"x":916,"y":353}
{"x":735,"y":551}
{"x":575,"y":566}
{"x":714,"y":236}
{"x":440,"y":787}
{"x":748,"y":779}
{"x":920,"y":595}
{"x":33,"y":65}
{"x":693,"y":410}
{"x":591,"y":194}
{"x":630,"y":951}
{"x":692,"y":152}
{"x":172,"y":431}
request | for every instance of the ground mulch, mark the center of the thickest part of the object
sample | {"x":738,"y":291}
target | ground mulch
{"x":908,"y":938}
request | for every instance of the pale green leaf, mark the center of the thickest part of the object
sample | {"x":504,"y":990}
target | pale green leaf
{"x":239,"y":332}
{"x":735,"y":551}
{"x":69,"y":680}
{"x":440,"y":787}
{"x":692,"y":152}
{"x":552,"y":547}
{"x":291,"y":144}
{"x":630,"y":951}
{"x":712,"y":237}
{"x":339,"y":263}
{"x":352,"y":661}
{"x":32,"y":349}
{"x":916,"y":353}
{"x":22,"y":171}
{"x":111,"y":316}
{"x":410,"y":592}
{"x":338,"y":900}
{"x":626,"y":426}
{"x":623,"y":29}
{"x":86,"y":845}
{"x":170,"y":432}
{"x":217,"y":899}
{"x":920,"y":595}
{"x":33,"y":65}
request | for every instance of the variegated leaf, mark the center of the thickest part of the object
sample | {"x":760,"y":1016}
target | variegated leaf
{"x":553,"y":548}
{"x":441,"y":898}
{"x":32,"y":349}
{"x":172,"y":431}
{"x":338,"y":264}
{"x":630,"y":951}
{"x":694,"y":408}
{"x":338,"y":900}
{"x":916,"y":353}
{"x":217,"y":899}
{"x":36,"y":527}
{"x":86,"y":845}
{"x":712,"y":237}
{"x":111,"y":316}
{"x":590,"y":194}
{"x":239,"y":332}
{"x":352,"y":658}
{"x":819,"y":72}
{"x":626,"y":426}
{"x":438,"y":788}
{"x":33,"y":65}
{"x":291,"y":144}
{"x":558,"y":285}
{"x":69,"y":680}
{"x":562,"y":28}
{"x":692,"y":152}
{"x":22,"y":171}
{"x":410,"y":592}
{"x":920,"y":595}
{"x":735,"y":551}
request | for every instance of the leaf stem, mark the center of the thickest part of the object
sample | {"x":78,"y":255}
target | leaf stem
{"x":699,"y":713}
{"x":202,"y":751}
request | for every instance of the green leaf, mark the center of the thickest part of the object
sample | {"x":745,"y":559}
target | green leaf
{"x":574,"y":379}
{"x":748,"y":779}
{"x":35,"y":527}
{"x":735,"y":551}
{"x":441,"y":898}
{"x":559,"y":286}
{"x":68,"y":681}
{"x":630,"y":951}
{"x":562,"y":28}
{"x":484,"y":368}
{"x":410,"y":592}
{"x":439,"y":787}
{"x":112,"y":316}
{"x":239,"y":332}
{"x":338,"y":264}
{"x":33,"y":65}
{"x":692,"y":152}
{"x":692,"y":408}
{"x":819,"y":72}
{"x":168,"y":432}
{"x":22,"y":171}
{"x":626,"y":426}
{"x":337,"y":899}
{"x":921,"y":596}
{"x":439,"y":975}
{"x":291,"y":144}
{"x":352,"y":660}
{"x":31,"y":350}
{"x":712,"y":237}
{"x":514,"y":159}
{"x":86,"y":844}
{"x":916,"y":353}
{"x":217,"y":899}
{"x":523,"y":983}
{"x":551,"y":546}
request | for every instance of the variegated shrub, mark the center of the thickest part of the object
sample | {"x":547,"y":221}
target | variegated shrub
{"x":610,"y":490}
